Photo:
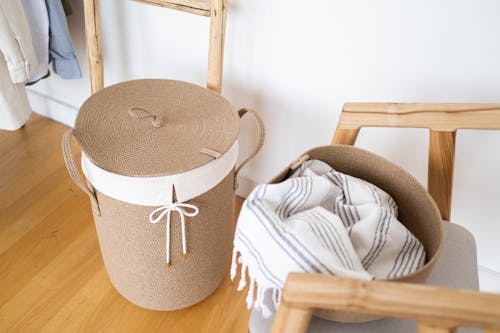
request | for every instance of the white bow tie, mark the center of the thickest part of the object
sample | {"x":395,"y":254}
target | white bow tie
{"x":180,"y":208}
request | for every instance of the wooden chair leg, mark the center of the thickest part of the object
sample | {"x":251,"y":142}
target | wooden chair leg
{"x":92,"y":10}
{"x":440,"y":177}
{"x":430,"y":329}
{"x":344,"y":136}
{"x":424,"y":328}
{"x":291,"y":320}
{"x":216,"y":47}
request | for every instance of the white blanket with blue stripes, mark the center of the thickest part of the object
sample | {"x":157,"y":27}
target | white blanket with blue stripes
{"x":323,"y":221}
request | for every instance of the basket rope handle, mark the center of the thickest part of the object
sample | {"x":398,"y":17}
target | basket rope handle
{"x":73,"y":171}
{"x":260,"y":142}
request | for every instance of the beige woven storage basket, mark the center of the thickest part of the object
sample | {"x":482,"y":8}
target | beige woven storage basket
{"x":159,"y":157}
{"x":417,"y":210}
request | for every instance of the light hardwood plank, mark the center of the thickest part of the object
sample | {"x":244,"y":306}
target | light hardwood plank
{"x":30,"y":254}
{"x":49,"y":289}
{"x":81,"y":306}
{"x":17,"y":218}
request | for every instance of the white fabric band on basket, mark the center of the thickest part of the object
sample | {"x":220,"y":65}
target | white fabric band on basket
{"x":158,"y":191}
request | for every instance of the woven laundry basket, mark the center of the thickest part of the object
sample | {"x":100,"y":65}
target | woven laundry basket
{"x":417,"y":210}
{"x":159,"y":157}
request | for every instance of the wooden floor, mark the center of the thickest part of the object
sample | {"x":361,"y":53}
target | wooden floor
{"x":52,"y":277}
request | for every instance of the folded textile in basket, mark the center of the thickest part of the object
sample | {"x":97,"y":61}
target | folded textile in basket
{"x":322,"y":221}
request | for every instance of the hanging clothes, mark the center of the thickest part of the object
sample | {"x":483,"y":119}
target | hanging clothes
{"x":15,"y":109}
{"x":15,"y":65}
{"x":15,"y":41}
{"x":62,"y":51}
{"x":68,"y":9}
{"x":38,"y":19}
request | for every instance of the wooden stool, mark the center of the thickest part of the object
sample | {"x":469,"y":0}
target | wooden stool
{"x":215,"y":9}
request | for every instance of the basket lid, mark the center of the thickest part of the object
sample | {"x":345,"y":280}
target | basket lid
{"x":155,"y":127}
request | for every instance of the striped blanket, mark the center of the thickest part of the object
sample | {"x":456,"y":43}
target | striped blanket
{"x":323,"y":221}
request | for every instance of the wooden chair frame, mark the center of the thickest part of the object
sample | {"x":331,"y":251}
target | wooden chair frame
{"x":443,"y":121}
{"x":436,"y":309}
{"x":215,"y":9}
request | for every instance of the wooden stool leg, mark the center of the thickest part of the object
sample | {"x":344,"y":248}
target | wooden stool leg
{"x":92,"y":10}
{"x":216,"y":48}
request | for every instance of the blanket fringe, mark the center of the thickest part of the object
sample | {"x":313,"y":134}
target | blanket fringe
{"x":234,"y":265}
{"x":256,"y":294}
{"x":243,"y":280}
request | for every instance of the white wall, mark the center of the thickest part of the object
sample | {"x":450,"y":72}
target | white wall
{"x":297,"y":62}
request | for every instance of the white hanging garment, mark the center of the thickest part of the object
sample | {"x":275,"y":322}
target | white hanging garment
{"x":15,"y":109}
{"x":38,"y":19}
{"x":15,"y":41}
{"x":18,"y":58}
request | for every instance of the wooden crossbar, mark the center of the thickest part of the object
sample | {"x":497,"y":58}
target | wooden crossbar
{"x":190,"y":6}
{"x":437,"y":309}
{"x":442,"y":119}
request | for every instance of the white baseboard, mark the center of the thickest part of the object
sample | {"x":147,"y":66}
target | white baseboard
{"x":52,"y":108}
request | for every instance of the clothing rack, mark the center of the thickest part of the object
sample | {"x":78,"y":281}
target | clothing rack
{"x":215,"y":9}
